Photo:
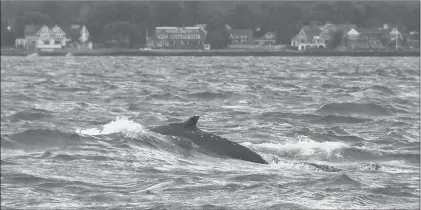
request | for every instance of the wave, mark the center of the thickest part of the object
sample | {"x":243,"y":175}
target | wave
{"x":371,"y":167}
{"x":306,"y":166}
{"x":41,"y":138}
{"x":314,"y":118}
{"x":338,"y":130}
{"x":31,"y":115}
{"x":4,"y":163}
{"x":365,"y":153}
{"x":336,"y":180}
{"x":335,"y":148}
{"x":334,"y":119}
{"x":412,"y":72}
{"x":6,"y":143}
{"x":207,"y":95}
{"x":25,"y":179}
{"x":164,"y":96}
{"x":278,"y":116}
{"x":330,"y":86}
{"x":120,"y":125}
{"x":303,"y":149}
{"x":350,"y":108}
{"x":342,"y":138}
{"x":382,"y":72}
{"x":72,"y":157}
{"x":66,"y":88}
{"x":92,"y":74}
{"x":51,"y":182}
{"x":330,"y":181}
{"x":382,"y":89}
{"x":394,"y":191}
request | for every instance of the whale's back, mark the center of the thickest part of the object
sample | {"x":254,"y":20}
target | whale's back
{"x":214,"y":143}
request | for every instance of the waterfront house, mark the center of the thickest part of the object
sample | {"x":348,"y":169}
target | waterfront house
{"x":309,"y":37}
{"x":319,"y":36}
{"x":366,"y":38}
{"x":381,"y":37}
{"x":241,"y":36}
{"x":43,"y":36}
{"x":151,"y":42}
{"x":329,"y":30}
{"x":192,"y":37}
{"x":78,"y":35}
{"x":268,"y":39}
{"x":413,"y":39}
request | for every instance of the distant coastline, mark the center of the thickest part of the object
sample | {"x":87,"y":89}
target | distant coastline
{"x":233,"y":53}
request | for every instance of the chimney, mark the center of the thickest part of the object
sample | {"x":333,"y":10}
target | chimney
{"x":385,"y":26}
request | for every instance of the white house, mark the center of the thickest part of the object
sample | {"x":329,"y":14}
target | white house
{"x":42,"y":36}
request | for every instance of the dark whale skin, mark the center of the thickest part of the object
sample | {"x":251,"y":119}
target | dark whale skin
{"x":214,"y":143}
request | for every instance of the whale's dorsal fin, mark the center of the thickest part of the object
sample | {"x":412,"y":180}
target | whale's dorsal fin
{"x":191,"y":123}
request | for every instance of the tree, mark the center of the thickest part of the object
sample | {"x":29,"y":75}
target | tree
{"x":138,"y":35}
{"x":336,"y":39}
{"x":120,"y":31}
{"x":218,"y":36}
{"x":53,"y":10}
{"x":4,"y":34}
{"x":191,"y":12}
{"x":31,"y":18}
{"x":168,"y":13}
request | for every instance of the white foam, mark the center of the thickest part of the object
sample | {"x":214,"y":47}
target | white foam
{"x":303,"y":148}
{"x":120,"y":125}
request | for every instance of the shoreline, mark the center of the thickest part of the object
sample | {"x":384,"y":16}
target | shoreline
{"x":201,"y":53}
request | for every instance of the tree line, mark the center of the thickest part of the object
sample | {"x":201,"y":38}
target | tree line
{"x":130,"y":21}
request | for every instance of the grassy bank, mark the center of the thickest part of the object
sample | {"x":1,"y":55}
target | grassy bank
{"x":225,"y":52}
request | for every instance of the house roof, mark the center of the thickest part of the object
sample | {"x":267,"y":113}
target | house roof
{"x":72,"y":30}
{"x":401,"y":29}
{"x":341,"y":26}
{"x":182,"y":30}
{"x":31,"y":30}
{"x":263,"y":37}
{"x":241,"y":32}
{"x":370,"y":30}
{"x":312,"y":32}
{"x":188,"y":29}
{"x":414,"y":36}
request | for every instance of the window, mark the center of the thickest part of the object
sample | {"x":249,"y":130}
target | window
{"x":352,"y":36}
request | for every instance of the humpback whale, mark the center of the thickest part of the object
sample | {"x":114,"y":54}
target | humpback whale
{"x":213,"y":143}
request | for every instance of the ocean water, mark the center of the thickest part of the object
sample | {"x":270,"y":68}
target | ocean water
{"x":338,"y":132}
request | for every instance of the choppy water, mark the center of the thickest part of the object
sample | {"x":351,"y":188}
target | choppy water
{"x":339,"y":133}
